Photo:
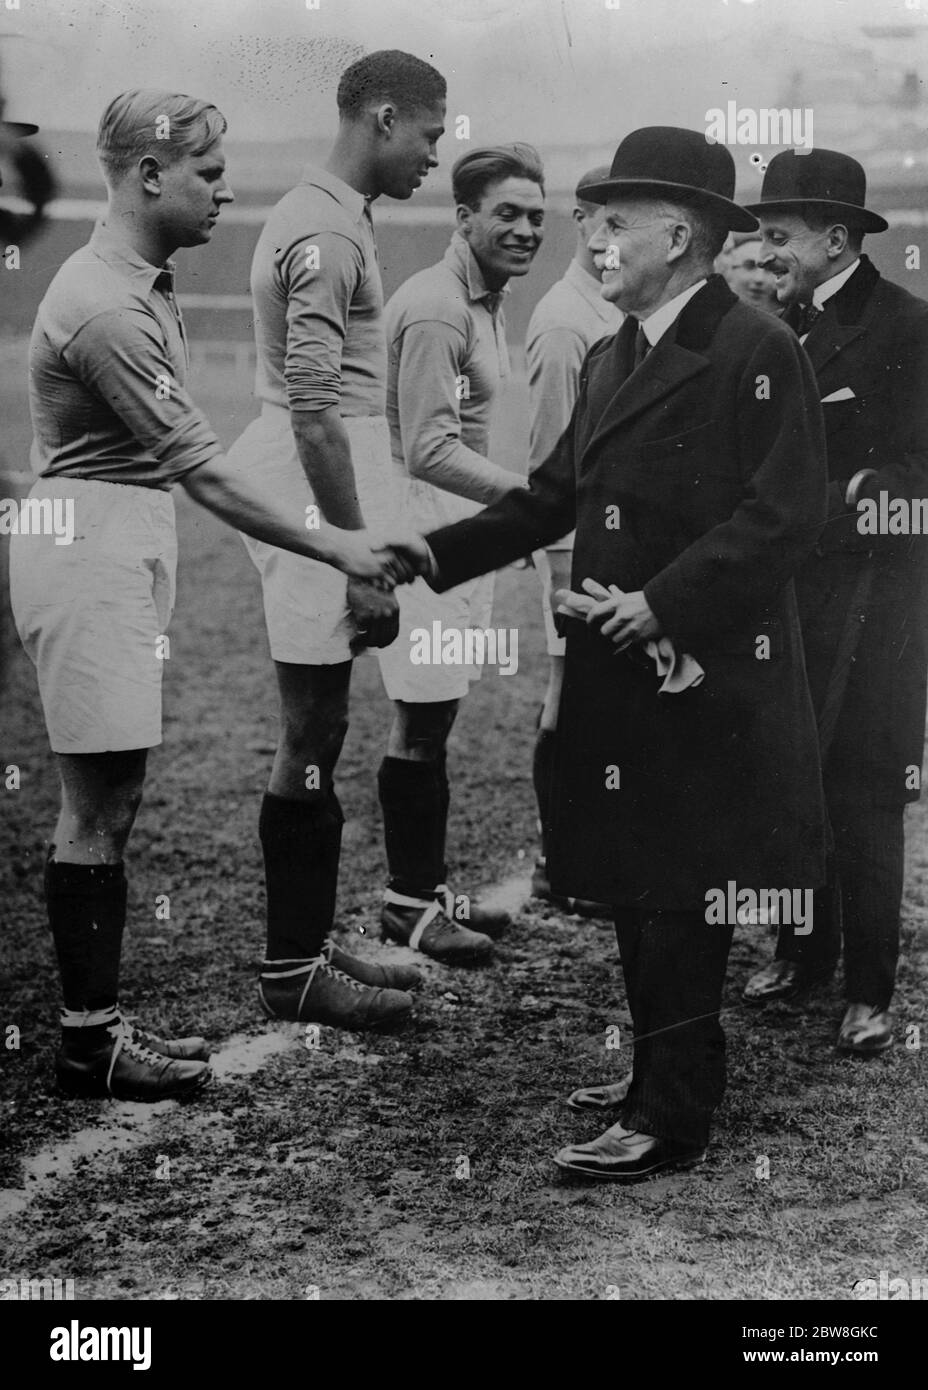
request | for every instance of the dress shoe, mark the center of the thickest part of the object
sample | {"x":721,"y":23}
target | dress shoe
{"x":865,"y":1030}
{"x":378,"y":976}
{"x":124,"y":1068}
{"x":783,"y":979}
{"x":600,"y":1098}
{"x":581,"y":907}
{"x":622,"y":1155}
{"x":425,"y":925}
{"x":315,"y":992}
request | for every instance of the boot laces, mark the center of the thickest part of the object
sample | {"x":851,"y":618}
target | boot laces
{"x":127,"y":1039}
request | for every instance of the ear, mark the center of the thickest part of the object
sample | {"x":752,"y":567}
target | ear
{"x":837,"y":240}
{"x":579,"y":216}
{"x":151,"y":172}
{"x":681,"y":238}
{"x":465,"y":219}
{"x":385,"y":117}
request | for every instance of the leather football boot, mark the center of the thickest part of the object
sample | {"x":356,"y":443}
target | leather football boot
{"x":181,"y":1049}
{"x":316,"y":992}
{"x":378,"y":976}
{"x":124,"y":1068}
{"x":489,"y":921}
{"x":425,"y":926}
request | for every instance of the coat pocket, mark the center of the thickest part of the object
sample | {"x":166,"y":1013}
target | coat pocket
{"x":679,"y":445}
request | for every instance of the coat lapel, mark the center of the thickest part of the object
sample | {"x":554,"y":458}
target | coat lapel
{"x":845,"y":318}
{"x":675,"y":360}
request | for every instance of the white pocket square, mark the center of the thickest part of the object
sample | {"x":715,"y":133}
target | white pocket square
{"x":845,"y":394}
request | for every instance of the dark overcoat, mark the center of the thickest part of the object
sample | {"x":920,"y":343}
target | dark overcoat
{"x":872,"y":340}
{"x":713,"y":452}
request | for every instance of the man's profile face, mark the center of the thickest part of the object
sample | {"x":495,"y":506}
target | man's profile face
{"x":412,"y":150}
{"x":630,"y":251}
{"x":752,"y":282}
{"x":193,"y":191}
{"x":506,"y":229}
{"x":796,"y":255}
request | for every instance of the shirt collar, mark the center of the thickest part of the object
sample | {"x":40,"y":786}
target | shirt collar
{"x":115,"y":251}
{"x":823,"y":292}
{"x":656,"y":324}
{"x":465,"y":265}
{"x":354,"y":203}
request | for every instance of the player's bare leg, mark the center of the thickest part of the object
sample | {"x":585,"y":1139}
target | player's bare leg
{"x":85,"y":891}
{"x":305,"y":976}
{"x":419,"y":908}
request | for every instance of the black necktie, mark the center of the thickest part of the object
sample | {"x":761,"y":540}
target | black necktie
{"x":642,"y":346}
{"x":807,"y":316}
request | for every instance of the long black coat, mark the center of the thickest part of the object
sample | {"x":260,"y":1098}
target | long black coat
{"x":714,"y":452}
{"x":873,"y":339}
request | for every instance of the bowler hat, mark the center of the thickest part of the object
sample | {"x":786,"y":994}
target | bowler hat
{"x":822,"y":178}
{"x":663,"y":161}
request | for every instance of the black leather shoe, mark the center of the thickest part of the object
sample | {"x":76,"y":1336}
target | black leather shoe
{"x":580,"y":907}
{"x":600,"y":1098}
{"x":622,"y":1155}
{"x":865,"y":1030}
{"x":783,"y":979}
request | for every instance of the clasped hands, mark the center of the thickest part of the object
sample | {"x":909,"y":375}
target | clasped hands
{"x":623,"y":618}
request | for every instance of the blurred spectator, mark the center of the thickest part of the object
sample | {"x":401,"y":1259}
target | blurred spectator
{"x":750,"y":282}
{"x":24,"y":173}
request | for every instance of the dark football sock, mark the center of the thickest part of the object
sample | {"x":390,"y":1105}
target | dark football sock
{"x":86,"y":905}
{"x":542,"y":772}
{"x":301,"y":841}
{"x":414,"y":816}
{"x":444,"y":800}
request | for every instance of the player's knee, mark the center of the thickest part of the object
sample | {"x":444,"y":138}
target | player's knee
{"x":313,"y":736}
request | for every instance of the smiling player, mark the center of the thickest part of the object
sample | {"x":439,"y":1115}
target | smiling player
{"x":447,"y":343}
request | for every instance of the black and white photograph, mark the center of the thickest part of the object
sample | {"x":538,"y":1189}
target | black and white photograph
{"x":463,"y":661}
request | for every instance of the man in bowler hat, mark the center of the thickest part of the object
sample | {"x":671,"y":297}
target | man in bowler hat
{"x":863,"y":595}
{"x":693,"y":470}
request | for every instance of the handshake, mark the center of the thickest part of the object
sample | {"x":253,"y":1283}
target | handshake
{"x":384,"y":559}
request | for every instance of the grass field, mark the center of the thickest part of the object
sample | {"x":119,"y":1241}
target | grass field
{"x":338,"y":1170}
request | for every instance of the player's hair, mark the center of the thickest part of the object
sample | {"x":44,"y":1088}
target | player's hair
{"x":475,"y":171}
{"x":168,"y":125}
{"x":598,"y":175}
{"x":819,"y":219}
{"x":389,"y":75}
